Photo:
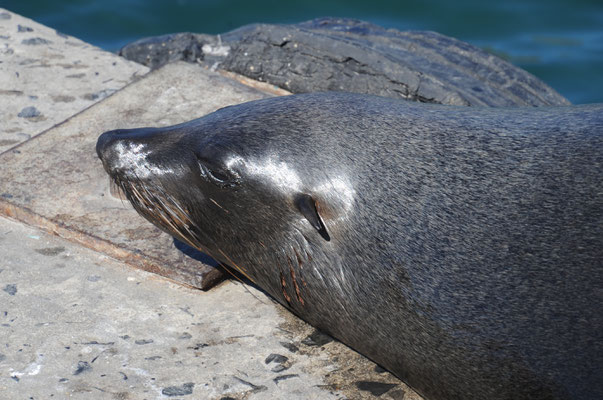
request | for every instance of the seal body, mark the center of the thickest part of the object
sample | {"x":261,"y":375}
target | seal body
{"x":460,"y":248}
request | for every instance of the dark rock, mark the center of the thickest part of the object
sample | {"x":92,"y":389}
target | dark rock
{"x":396,"y":394}
{"x":21,"y":28}
{"x":82,"y":366}
{"x":160,"y":50}
{"x":50,"y":251}
{"x":355,"y":56}
{"x":290,"y":346}
{"x":95,"y":342}
{"x":8,"y":142}
{"x":98,"y":95}
{"x":334,"y":54}
{"x":11,"y":289}
{"x":317,"y":338}
{"x":375,"y":388}
{"x":35,"y":41}
{"x":143,"y":341}
{"x":29,"y":112}
{"x":181,"y":390}
{"x":277,"y":358}
{"x":283,"y":377}
{"x":280,"y":360}
{"x":254,"y":388}
{"x":198,"y":346}
{"x":279,"y":368}
{"x":63,"y":99}
{"x":379,"y":369}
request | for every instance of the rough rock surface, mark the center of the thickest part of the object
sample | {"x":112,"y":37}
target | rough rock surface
{"x":348,"y":55}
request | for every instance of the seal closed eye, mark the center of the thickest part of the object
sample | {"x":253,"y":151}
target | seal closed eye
{"x":219,"y":176}
{"x":460,"y":248}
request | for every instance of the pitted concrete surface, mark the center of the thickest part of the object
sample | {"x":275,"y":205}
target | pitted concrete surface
{"x":46,"y":76}
{"x":77,"y":324}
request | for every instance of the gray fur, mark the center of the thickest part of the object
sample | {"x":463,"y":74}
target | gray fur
{"x":465,"y":245}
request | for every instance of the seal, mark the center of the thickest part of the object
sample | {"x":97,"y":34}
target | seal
{"x":460,"y":248}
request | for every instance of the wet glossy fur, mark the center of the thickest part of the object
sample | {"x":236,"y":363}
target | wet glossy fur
{"x":464,"y":246}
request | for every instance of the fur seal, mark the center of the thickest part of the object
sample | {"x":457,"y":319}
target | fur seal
{"x":460,"y":248}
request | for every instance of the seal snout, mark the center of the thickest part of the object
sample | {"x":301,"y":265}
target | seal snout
{"x":108,"y":141}
{"x":104,"y":142}
{"x":105,"y":149}
{"x":121,"y":147}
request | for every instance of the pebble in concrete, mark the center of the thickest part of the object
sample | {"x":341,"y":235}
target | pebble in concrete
{"x":29,"y":112}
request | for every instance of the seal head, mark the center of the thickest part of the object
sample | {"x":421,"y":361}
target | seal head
{"x":223,"y":187}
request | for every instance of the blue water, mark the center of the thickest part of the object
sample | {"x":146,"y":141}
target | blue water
{"x":560,"y":41}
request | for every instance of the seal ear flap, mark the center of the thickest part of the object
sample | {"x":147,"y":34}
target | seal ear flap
{"x":306,"y":204}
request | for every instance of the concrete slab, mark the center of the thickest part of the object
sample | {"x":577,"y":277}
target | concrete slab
{"x":55,"y":181}
{"x":46,"y":77}
{"x":76,"y":324}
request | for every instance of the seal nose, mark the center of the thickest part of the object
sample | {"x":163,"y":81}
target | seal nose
{"x":104,"y":142}
{"x":107,"y":145}
{"x":108,"y":141}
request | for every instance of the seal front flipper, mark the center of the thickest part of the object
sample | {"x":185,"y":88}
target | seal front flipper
{"x":306,"y":204}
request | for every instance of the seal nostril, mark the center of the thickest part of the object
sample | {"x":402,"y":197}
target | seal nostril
{"x":101,"y":143}
{"x":106,"y":140}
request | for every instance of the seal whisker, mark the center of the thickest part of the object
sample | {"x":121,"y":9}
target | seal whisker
{"x":120,"y":185}
{"x":298,"y":257}
{"x":304,"y":243}
{"x":175,"y":217}
{"x":184,"y":222}
{"x":216,"y":203}
{"x":236,"y":266}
